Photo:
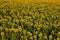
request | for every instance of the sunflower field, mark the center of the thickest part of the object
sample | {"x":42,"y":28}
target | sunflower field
{"x":20,"y":20}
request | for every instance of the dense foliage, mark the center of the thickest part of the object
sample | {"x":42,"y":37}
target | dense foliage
{"x":31,"y":21}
